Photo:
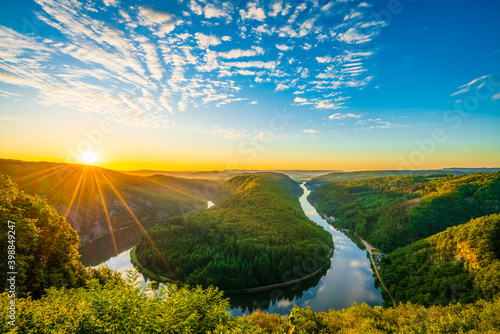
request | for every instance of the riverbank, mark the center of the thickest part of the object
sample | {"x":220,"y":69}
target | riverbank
{"x":284,"y":284}
{"x":369,"y":248}
{"x":151,"y":275}
{"x":146,"y":272}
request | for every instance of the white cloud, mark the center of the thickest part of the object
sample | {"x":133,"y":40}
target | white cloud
{"x":277,"y":8}
{"x":343,"y":116}
{"x":284,"y":47}
{"x":305,"y":73}
{"x":245,"y":72}
{"x":230,"y":101}
{"x":325,"y":59}
{"x":204,"y":41}
{"x":352,"y":15}
{"x":466,"y":87}
{"x":351,"y":36}
{"x":281,"y":86}
{"x":109,"y":3}
{"x":151,"y":58}
{"x":182,"y":105}
{"x":363,"y":4}
{"x":326,"y":105}
{"x":300,"y":100}
{"x":10,"y":118}
{"x":327,"y":7}
{"x":211,"y":11}
{"x":256,"y":63}
{"x":253,"y":13}
{"x":309,"y":131}
{"x":238,"y":53}
{"x":167,"y":104}
{"x":195,"y":7}
{"x":226,"y":38}
{"x":296,"y":13}
{"x":495,"y":97}
{"x":264,"y":29}
{"x":160,"y":22}
{"x":254,"y":102}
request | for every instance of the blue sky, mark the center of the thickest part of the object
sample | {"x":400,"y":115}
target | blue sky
{"x":363,"y":81}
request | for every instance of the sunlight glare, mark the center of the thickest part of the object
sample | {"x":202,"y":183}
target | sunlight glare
{"x":88,"y":157}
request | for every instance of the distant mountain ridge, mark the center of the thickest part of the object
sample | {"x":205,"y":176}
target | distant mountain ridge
{"x":224,"y":175}
{"x":358,"y":175}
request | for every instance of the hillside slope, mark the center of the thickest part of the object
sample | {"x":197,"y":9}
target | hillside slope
{"x":394,"y":211}
{"x":460,"y":264}
{"x":95,"y":200}
{"x":257,"y":236}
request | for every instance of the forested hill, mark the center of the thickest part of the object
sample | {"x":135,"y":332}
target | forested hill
{"x":394,"y":211}
{"x":235,"y":183}
{"x":460,"y":264}
{"x":367,"y":174}
{"x":257,"y":236}
{"x":87,"y":196}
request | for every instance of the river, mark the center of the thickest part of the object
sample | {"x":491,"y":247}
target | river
{"x":348,"y":280}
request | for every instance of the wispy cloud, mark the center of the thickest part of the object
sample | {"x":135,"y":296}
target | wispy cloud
{"x":140,"y":64}
{"x":343,"y":116}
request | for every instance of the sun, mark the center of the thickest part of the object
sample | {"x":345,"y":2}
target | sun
{"x":88,"y":157}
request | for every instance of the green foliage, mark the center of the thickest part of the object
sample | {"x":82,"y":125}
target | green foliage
{"x":46,"y":247}
{"x":121,"y":308}
{"x":255,"y":237}
{"x":460,"y":264}
{"x":394,"y":211}
{"x":480,"y":317}
{"x":127,"y":309}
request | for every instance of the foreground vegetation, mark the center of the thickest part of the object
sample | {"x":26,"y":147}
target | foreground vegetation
{"x":125,"y":308}
{"x":257,"y":236}
{"x":394,"y":211}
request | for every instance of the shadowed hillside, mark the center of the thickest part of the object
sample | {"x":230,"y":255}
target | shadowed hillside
{"x":95,"y":200}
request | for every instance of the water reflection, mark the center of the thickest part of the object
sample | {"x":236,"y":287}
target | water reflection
{"x":102,"y":249}
{"x":349,"y":280}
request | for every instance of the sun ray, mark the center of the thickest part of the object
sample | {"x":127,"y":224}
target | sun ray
{"x":103,"y":202}
{"x":178,"y":190}
{"x":77,"y":188}
{"x":55,"y":236}
{"x":80,"y":195}
{"x":50,"y":171}
{"x":143,"y":230}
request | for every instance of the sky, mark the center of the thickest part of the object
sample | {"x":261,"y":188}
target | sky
{"x":203,"y":84}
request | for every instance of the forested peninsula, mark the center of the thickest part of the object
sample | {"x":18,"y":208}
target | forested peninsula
{"x":257,"y":236}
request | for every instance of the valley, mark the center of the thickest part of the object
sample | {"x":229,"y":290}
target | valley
{"x":256,"y":237}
